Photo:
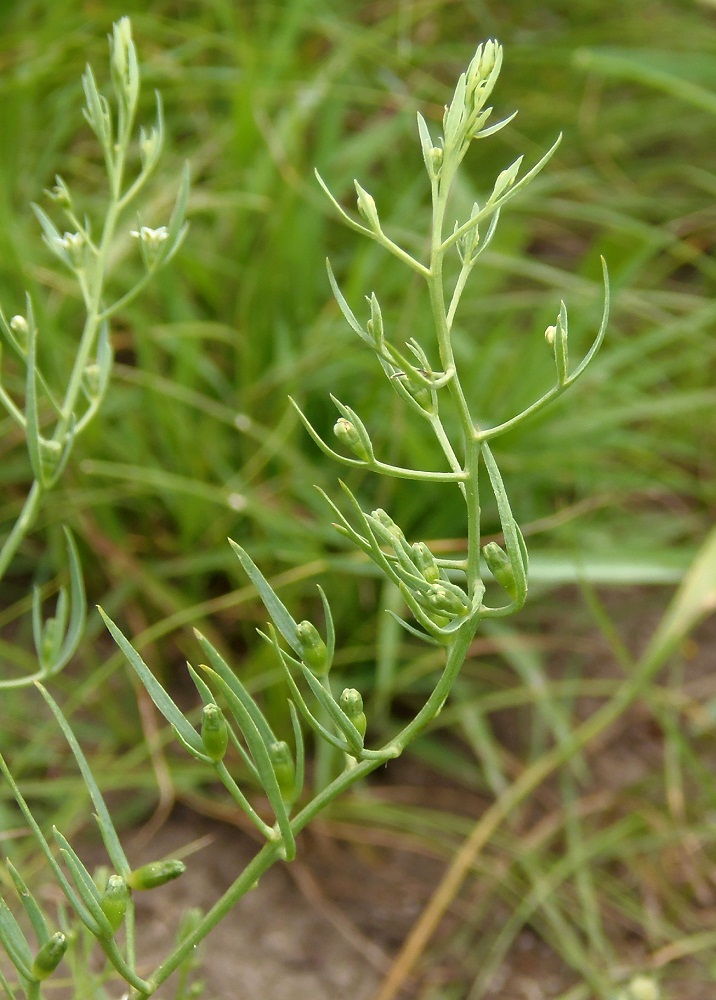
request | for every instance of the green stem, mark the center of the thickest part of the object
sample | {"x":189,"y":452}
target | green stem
{"x":271,"y":853}
{"x":88,"y":339}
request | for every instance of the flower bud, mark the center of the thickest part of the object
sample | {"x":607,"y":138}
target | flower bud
{"x":352,"y":704}
{"x":149,"y":144}
{"x":374,"y":325}
{"x":50,"y":455}
{"x":436,"y":160}
{"x":155,"y":873}
{"x":420,"y":393}
{"x":91,"y":379}
{"x":391,"y":531}
{"x":50,"y":636}
{"x":313,"y":649}
{"x":49,"y":956}
{"x":425,"y":561}
{"x":367,"y":208}
{"x":18,"y":324}
{"x":71,"y":246}
{"x":347,"y":434}
{"x":446,"y":597}
{"x":549,"y":334}
{"x":114,"y":901}
{"x":214,"y":732}
{"x":283,"y":767}
{"x":59,"y":193}
{"x":498,"y":563}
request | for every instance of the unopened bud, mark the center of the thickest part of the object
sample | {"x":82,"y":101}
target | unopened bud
{"x":91,"y":377}
{"x":367,"y":208}
{"x":114,"y":901}
{"x":49,"y":956}
{"x":18,"y":324}
{"x":420,"y":393}
{"x":351,"y":702}
{"x":282,"y":761}
{"x":50,"y":455}
{"x":549,"y":334}
{"x":313,"y":649}
{"x":498,"y":563}
{"x":155,"y":873}
{"x":347,"y":434}
{"x":425,"y":561}
{"x":214,"y":732}
{"x":59,"y":193}
{"x":50,"y":635}
{"x":446,"y":597}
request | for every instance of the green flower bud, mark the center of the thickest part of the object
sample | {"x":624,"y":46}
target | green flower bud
{"x":498,"y":563}
{"x":367,"y":208}
{"x":352,"y":704}
{"x":313,"y":649}
{"x":420,"y":393}
{"x":282,"y":761}
{"x":49,"y":956}
{"x":391,"y":531}
{"x":59,"y":193}
{"x":446,"y":597}
{"x":91,"y":379}
{"x":347,"y":434}
{"x":214,"y":732}
{"x":114,"y":901}
{"x":155,"y":873}
{"x":374,"y":326}
{"x":50,"y":455}
{"x":50,"y":636}
{"x":425,"y":561}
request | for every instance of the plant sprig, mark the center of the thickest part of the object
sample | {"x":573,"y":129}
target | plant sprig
{"x":445,"y":597}
{"x":89,"y":260}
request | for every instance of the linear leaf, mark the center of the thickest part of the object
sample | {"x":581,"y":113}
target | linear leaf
{"x":171,"y":712}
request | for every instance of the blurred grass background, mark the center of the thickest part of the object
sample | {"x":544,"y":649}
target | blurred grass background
{"x":615,"y":485}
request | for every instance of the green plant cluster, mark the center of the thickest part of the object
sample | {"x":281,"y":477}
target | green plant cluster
{"x":612,"y":488}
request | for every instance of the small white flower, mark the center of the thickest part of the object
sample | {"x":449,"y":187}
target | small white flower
{"x":152,"y":238}
{"x":71,"y":242}
{"x":18,"y":324}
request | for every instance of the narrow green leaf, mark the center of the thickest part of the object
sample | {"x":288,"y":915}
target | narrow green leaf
{"x":78,"y":604}
{"x":32,"y":423}
{"x":13,"y":940}
{"x":106,"y":826}
{"x":29,"y":904}
{"x":281,"y":617}
{"x":300,"y":752}
{"x":171,"y":712}
{"x":261,"y":758}
{"x":426,"y":142}
{"x":514,"y":545}
{"x":223,"y":669}
{"x":45,"y":847}
{"x":85,"y":885}
{"x":345,"y":308}
{"x":51,"y":236}
{"x":329,"y":703}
